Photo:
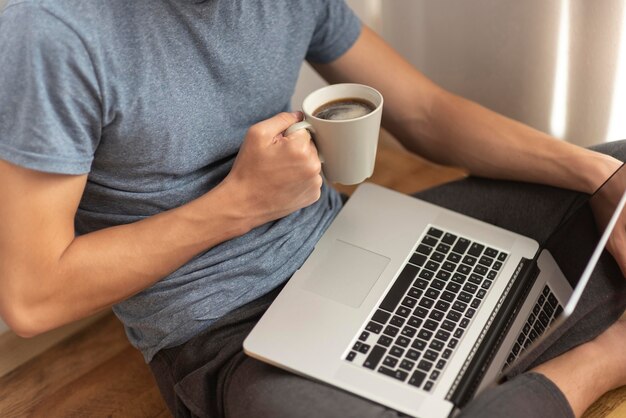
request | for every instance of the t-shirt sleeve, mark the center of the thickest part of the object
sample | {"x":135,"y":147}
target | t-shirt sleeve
{"x":337,"y":28}
{"x":50,"y":112}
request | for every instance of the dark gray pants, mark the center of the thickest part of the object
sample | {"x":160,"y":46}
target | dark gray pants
{"x":211,"y":376}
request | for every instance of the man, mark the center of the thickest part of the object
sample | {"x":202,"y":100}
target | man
{"x":144,"y":168}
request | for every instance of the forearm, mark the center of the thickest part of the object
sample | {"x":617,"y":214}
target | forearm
{"x":101,"y":268}
{"x":461,"y":133}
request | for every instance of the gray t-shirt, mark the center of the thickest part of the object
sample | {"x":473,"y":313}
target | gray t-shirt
{"x":153,"y":98}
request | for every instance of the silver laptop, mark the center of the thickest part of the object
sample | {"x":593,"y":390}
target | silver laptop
{"x":420,"y":308}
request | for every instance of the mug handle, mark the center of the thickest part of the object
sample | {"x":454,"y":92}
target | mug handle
{"x":303,"y":125}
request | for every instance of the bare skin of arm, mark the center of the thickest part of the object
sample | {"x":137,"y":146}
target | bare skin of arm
{"x":49,"y":277}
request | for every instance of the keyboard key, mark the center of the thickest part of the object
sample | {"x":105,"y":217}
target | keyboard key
{"x":431,"y":355}
{"x":485,"y":261}
{"x":419,"y":344}
{"x":385,"y":340}
{"x":425,"y":365}
{"x":486,"y":284}
{"x":429,"y":240}
{"x":461,"y":245}
{"x":421,"y":284}
{"x":459,"y":306}
{"x":448,"y":238}
{"x":436,"y":314}
{"x":409,"y":301}
{"x":440,"y":364}
{"x":475,"y":303}
{"x":453,"y":316}
{"x":443,"y":248}
{"x":420,"y":312}
{"x":426,"y":274}
{"x":552,"y":300}
{"x":464,"y":322}
{"x":417,"y":259}
{"x":475,"y":249}
{"x":492,"y":274}
{"x":363,"y":348}
{"x":424,"y":334}
{"x":452,"y":343}
{"x":470,"y":313}
{"x":409,"y":332}
{"x":424,"y":249}
{"x":545,"y":321}
{"x":417,"y":378}
{"x":435,"y":345}
{"x":443,"y":275}
{"x":399,"y":288}
{"x":351,"y":355}
{"x":438,"y":284}
{"x":428,"y":386}
{"x":371,"y":362}
{"x":448,"y":325}
{"x":403,"y":341}
{"x":480,"y":270}
{"x":458,"y":333}
{"x":374,"y":327}
{"x":497,"y":265}
{"x":469,"y":260}
{"x":431,"y":265}
{"x":491,"y":252}
{"x":446,"y":353}
{"x":464,"y":269}
{"x":447,"y":296}
{"x":396,"y":374}
{"x":396,"y":351}
{"x":442,"y":305}
{"x":412,"y":354}
{"x":465,"y":297}
{"x":458,"y":278}
{"x":390,"y":361}
{"x":437,"y":256}
{"x":381,"y":316}
{"x":414,"y":292}
{"x":403,"y":311}
{"x":432,"y":293}
{"x":391,"y":330}
{"x":364,"y":335}
{"x":442,"y":335}
{"x":426,"y":303}
{"x":453,"y":287}
{"x":481,"y":293}
{"x":502,"y":256}
{"x":414,"y":322}
{"x":431,"y":325}
{"x":397,"y":321}
{"x":454,"y":258}
{"x":435,"y":232}
{"x":407,"y":365}
{"x":434,"y":375}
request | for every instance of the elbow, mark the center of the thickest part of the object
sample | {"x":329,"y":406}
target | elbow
{"x":20,"y":320}
{"x":23,"y":319}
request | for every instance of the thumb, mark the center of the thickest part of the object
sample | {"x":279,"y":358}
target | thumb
{"x":272,"y":127}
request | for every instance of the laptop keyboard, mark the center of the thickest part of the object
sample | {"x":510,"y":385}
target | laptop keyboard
{"x":416,"y":328}
{"x":546,"y":309}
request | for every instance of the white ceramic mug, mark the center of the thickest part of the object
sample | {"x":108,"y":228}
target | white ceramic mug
{"x":347,"y":148}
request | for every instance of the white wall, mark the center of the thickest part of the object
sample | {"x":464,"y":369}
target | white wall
{"x":505,"y":54}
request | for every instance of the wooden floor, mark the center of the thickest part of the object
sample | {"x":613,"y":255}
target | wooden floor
{"x":96,"y":373}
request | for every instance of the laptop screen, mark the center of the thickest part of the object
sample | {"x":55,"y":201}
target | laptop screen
{"x":577,"y":242}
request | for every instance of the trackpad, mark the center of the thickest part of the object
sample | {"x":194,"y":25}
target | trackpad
{"x":347,"y":273}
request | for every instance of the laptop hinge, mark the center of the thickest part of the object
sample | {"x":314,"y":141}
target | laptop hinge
{"x":493,"y":334}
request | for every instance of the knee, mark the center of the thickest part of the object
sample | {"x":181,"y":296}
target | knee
{"x":616,"y":149}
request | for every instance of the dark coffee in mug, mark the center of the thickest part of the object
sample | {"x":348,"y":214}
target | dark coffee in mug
{"x":343,"y":109}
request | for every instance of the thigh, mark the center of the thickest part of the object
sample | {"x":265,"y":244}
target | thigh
{"x":257,"y":389}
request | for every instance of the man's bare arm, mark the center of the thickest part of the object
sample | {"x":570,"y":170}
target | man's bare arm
{"x":49,"y":277}
{"x":451,"y":130}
